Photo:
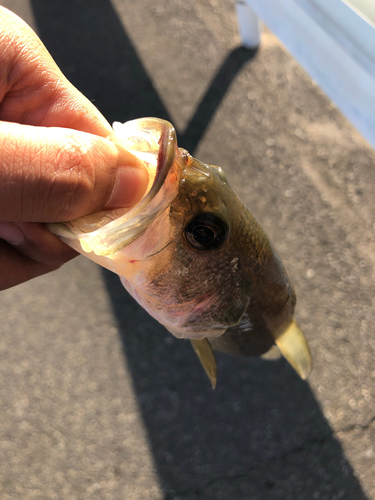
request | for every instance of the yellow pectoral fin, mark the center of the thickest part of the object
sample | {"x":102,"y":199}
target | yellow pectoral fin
{"x":203,"y":350}
{"x":293,"y":346}
{"x":273,"y":354}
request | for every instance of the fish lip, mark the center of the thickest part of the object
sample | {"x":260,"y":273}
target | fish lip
{"x":112,"y":231}
{"x":165,"y":158}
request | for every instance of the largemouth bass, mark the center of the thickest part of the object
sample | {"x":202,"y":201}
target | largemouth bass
{"x":193,"y":255}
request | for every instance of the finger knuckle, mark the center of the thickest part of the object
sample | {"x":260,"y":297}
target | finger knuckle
{"x":73,"y":185}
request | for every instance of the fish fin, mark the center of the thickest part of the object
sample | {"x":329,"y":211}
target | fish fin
{"x":205,"y":353}
{"x":293,"y":346}
{"x":273,"y":354}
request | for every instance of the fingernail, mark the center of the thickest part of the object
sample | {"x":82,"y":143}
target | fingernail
{"x":129,"y":188}
{"x":10,"y":233}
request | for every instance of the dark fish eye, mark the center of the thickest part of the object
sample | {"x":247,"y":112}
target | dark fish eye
{"x":206,"y":232}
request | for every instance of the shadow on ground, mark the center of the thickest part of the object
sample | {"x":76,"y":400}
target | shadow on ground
{"x":261,"y":434}
{"x":98,"y":57}
{"x":261,"y":427}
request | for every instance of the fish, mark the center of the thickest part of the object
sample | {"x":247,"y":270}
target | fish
{"x":194,"y":256}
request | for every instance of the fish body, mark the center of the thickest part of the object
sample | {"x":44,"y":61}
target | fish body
{"x":193,"y":255}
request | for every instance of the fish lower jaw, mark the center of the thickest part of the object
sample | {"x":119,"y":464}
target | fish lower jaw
{"x":184,"y":333}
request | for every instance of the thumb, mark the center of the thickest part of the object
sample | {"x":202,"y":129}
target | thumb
{"x":57,"y":174}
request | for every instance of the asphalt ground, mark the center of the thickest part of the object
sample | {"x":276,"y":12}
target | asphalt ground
{"x":97,"y":399}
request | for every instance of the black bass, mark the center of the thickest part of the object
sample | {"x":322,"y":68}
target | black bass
{"x":193,"y":255}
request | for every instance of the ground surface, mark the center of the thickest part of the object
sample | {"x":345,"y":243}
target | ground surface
{"x":97,"y":399}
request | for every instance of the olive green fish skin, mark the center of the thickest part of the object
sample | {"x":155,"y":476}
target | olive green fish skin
{"x":242,"y":285}
{"x":193,"y":255}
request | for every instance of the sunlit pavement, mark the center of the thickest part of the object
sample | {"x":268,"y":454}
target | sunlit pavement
{"x":97,"y":399}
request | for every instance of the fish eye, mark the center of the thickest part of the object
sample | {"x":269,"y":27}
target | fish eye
{"x":206,"y":232}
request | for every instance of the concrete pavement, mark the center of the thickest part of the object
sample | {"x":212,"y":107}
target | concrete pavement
{"x":97,"y":399}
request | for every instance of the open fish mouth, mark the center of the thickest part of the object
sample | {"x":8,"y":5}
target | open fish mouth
{"x":105,"y":233}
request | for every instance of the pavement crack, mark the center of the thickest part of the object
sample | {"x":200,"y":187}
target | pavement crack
{"x":356,"y":427}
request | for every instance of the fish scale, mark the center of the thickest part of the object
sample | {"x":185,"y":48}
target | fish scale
{"x":194,"y":256}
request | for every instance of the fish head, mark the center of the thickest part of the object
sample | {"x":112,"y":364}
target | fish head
{"x":217,"y":266}
{"x":195,"y":275}
{"x":190,"y":252}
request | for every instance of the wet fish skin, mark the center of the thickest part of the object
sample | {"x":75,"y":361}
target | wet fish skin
{"x":244,"y":274}
{"x":194,"y":256}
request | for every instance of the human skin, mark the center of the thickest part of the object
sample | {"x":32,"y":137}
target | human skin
{"x":55,"y":161}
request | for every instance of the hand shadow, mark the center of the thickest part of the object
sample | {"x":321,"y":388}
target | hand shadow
{"x":261,"y":429}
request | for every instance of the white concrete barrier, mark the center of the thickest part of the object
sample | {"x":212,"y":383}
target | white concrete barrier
{"x":333,"y":40}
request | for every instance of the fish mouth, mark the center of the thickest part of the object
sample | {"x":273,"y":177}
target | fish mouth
{"x":153,"y":141}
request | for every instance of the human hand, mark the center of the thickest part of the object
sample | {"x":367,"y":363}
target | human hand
{"x":55,"y":163}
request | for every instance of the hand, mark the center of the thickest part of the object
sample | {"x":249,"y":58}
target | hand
{"x":55,"y":163}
